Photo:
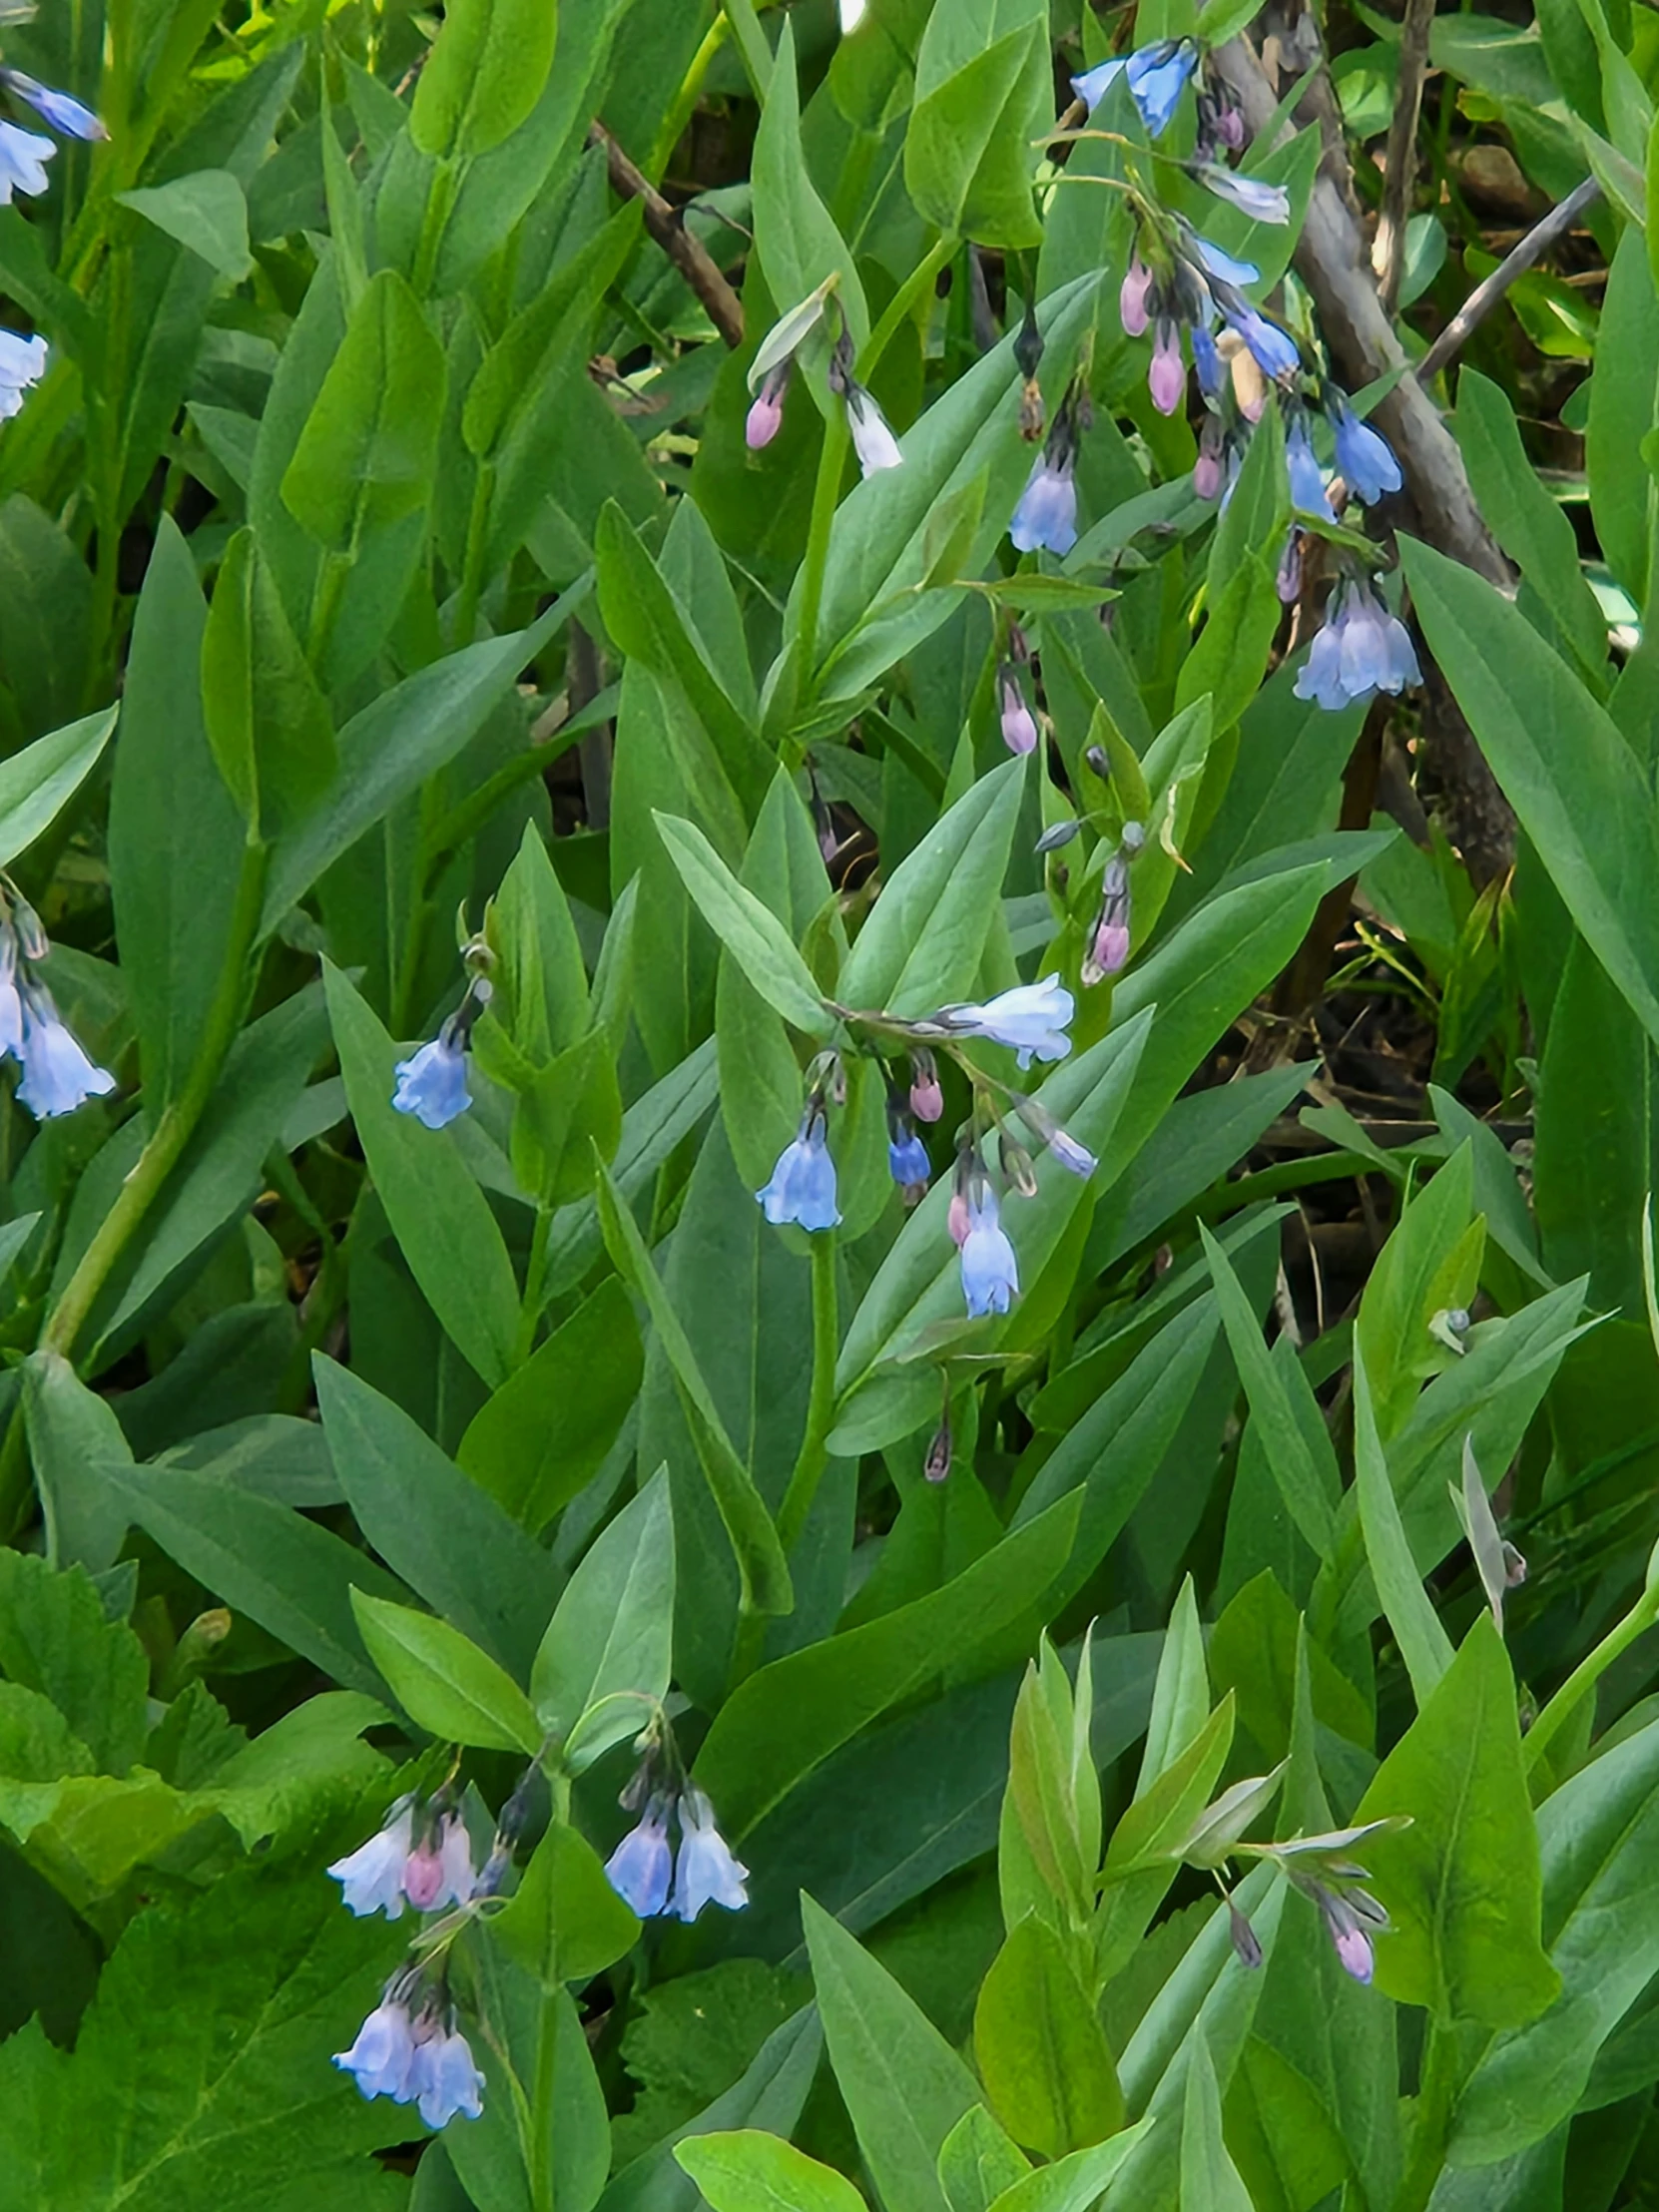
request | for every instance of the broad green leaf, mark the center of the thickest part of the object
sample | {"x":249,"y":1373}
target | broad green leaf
{"x":443,"y":1681}
{"x":903,"y":2086}
{"x":1210,"y":2182}
{"x":796,"y":237}
{"x":787,"y":1719}
{"x":1424,"y":1643}
{"x":601,"y":1670}
{"x":749,"y":931}
{"x":438,"y":1214}
{"x":751,"y":2172}
{"x":922,"y":943}
{"x":1430,"y":1264}
{"x":1624,"y":402}
{"x":978,"y":2162}
{"x":982,"y":94}
{"x":449,"y":1540}
{"x":1072,"y":2184}
{"x":1040,"y":2049}
{"x":71,"y":1430}
{"x":37,"y":784}
{"x":1462,"y":1883}
{"x":1564,"y":766}
{"x":268,"y":722}
{"x":536,"y":1444}
{"x":564,"y":1921}
{"x":208,"y":211}
{"x":55,"y":1640}
{"x":485,"y":74}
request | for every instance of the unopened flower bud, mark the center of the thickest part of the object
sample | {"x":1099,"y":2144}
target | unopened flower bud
{"x":1132,"y":836}
{"x":1245,"y":1945}
{"x":1132,"y":298}
{"x":1017,"y":1167}
{"x":958,"y":1220}
{"x":1288,"y":582}
{"x":1019,"y":725}
{"x":937,"y":1465}
{"x":1059,"y":834}
{"x":765,"y":416}
{"x":1096,"y":758}
{"x":927,"y":1098}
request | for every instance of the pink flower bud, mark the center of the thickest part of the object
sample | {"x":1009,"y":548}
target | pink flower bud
{"x":1019,"y":725}
{"x":1229,"y":129}
{"x":1132,"y":298}
{"x":1167,"y":377}
{"x":1206,"y":475}
{"x":927,"y":1099}
{"x":422,"y":1876}
{"x":958,"y":1219}
{"x":765,"y":418}
{"x":1111,"y":947}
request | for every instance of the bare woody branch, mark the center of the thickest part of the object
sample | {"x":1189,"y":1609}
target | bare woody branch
{"x":667,"y":226}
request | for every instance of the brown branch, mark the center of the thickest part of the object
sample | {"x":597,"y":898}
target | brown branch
{"x":1490,"y":289}
{"x":667,"y":226}
{"x":1387,"y":253}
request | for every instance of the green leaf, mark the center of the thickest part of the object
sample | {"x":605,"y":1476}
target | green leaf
{"x":1310,"y":1481}
{"x":1462,"y":1883}
{"x":536,"y":1444}
{"x":484,"y":75}
{"x":796,"y":237}
{"x":1072,"y":2184}
{"x":37,"y":784}
{"x":268,"y":723}
{"x":1624,"y":394}
{"x":601,"y":1670}
{"x":903,"y":2086}
{"x":55,"y":1640}
{"x":983,"y":92}
{"x":1040,"y":2049}
{"x":1424,"y":1643}
{"x":749,"y":931}
{"x":925,"y":939}
{"x":785,"y":1720}
{"x":1564,"y":766}
{"x":207,"y":212}
{"x":71,"y":1430}
{"x":438,"y":1214}
{"x":978,"y":2162}
{"x":365,"y":457}
{"x":762,"y":1569}
{"x":1210,"y":2182}
{"x":564,"y":1921}
{"x":445,"y":1536}
{"x":750,"y":2173}
{"x":443,"y":1681}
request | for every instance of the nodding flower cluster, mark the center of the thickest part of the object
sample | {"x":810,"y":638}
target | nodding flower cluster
{"x":1030,"y":1020}
{"x":774,"y":369}
{"x":644,"y":1869}
{"x":22,"y":159}
{"x":431,"y":1083}
{"x":57,"y":1074}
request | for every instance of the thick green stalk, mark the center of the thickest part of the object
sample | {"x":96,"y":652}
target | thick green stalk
{"x":440,"y":206}
{"x":477,"y":546}
{"x":1431,"y":2124}
{"x":177,"y":1122}
{"x":1589,"y":1670}
{"x":535,"y":1276}
{"x":826,"y":493}
{"x":752,"y":45}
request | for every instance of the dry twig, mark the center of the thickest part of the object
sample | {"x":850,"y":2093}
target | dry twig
{"x":1387,"y":257}
{"x":667,"y":226}
{"x":1490,"y":289}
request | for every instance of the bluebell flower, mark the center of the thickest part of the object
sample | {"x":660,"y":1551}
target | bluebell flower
{"x":381,"y":2058}
{"x":57,"y":1075}
{"x":908,"y":1157}
{"x":1364,"y":456}
{"x":872,"y":439}
{"x":443,"y":2078}
{"x":1308,"y":492}
{"x":23,"y":160}
{"x":640,"y":1864}
{"x":431,"y":1084}
{"x":1047,"y":512}
{"x":1225,"y":265}
{"x":11,"y":1000}
{"x":60,"y":109}
{"x":1263,"y":203}
{"x":1032,"y":1018}
{"x":803,"y":1186}
{"x":1094,"y":84}
{"x":1158,"y":76}
{"x":1207,"y":361}
{"x":1275,"y":352}
{"x":1362,"y":649}
{"x":22,"y":363}
{"x":991,"y":1272}
{"x":372,"y":1877}
{"x":707,"y":1872}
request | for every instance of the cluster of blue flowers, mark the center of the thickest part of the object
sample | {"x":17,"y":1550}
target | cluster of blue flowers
{"x":1362,"y":649}
{"x":22,"y":159}
{"x":57,"y":1074}
{"x":410,"y":2048}
{"x":646,"y":1874}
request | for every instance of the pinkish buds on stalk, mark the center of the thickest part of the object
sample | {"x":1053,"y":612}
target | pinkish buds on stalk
{"x":1132,"y":299}
{"x":765,"y":416}
{"x":1019,"y":725}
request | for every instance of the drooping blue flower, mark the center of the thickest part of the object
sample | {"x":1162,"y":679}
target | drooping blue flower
{"x":1263,"y":203}
{"x":1308,"y":492}
{"x":61,"y":108}
{"x":372,"y":1877}
{"x":1158,"y":76}
{"x":1225,"y":265}
{"x":1362,"y":649}
{"x":57,"y":1075}
{"x":431,"y":1084}
{"x":707,"y":1872}
{"x":640,"y":1864}
{"x":803,"y":1186}
{"x":443,"y":2078}
{"x":23,"y":160}
{"x":991,"y":1272}
{"x":22,"y":363}
{"x":1364,"y":456}
{"x":1207,"y":361}
{"x":381,"y":2058}
{"x":1047,"y":512}
{"x":1092,"y":86}
{"x":1275,"y":349}
{"x":1032,"y":1018}
{"x":908,"y":1157}
{"x":11,"y":998}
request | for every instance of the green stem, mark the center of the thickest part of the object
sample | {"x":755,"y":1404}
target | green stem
{"x":535,"y":1276}
{"x":918,"y":286}
{"x":1591,"y":1669}
{"x":538,"y":2161}
{"x":826,"y":493}
{"x":1431,"y":2124}
{"x":820,"y":1407}
{"x":177,"y":1123}
{"x":477,"y":545}
{"x":440,"y":204}
{"x":686,"y":99}
{"x":752,"y":45}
